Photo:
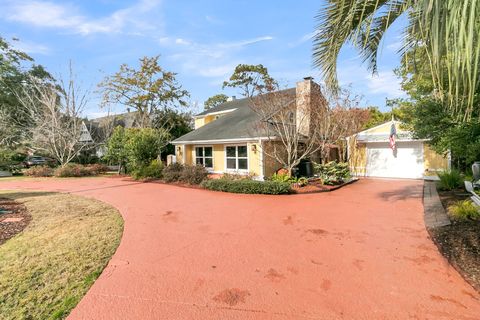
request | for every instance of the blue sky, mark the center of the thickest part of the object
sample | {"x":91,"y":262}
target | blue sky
{"x":202,"y":41}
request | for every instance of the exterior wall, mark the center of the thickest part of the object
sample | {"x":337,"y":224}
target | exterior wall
{"x":200,"y":122}
{"x":270,"y":165}
{"x":433,"y":161}
{"x":255,"y":165}
{"x":385,"y":128}
{"x":357,"y":157}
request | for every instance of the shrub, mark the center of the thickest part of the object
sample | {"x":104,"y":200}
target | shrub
{"x":193,"y":174}
{"x":151,"y":171}
{"x":247,"y":186}
{"x":97,"y":168}
{"x":332,"y":172}
{"x":172,"y":172}
{"x":72,"y":170}
{"x":464,"y":210}
{"x":39,"y":171}
{"x":144,"y":145}
{"x":280,"y":177}
{"x":449,"y":180}
{"x":236,"y":176}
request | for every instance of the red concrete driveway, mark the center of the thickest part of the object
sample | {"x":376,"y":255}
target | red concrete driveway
{"x":361,"y":252}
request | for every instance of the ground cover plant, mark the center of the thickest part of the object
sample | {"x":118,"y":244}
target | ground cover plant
{"x":46,"y":269}
{"x":247,"y":186}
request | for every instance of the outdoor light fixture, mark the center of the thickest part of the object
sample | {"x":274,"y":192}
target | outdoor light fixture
{"x":254,"y":148}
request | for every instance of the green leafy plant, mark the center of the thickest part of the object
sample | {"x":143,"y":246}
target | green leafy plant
{"x":248,"y":186}
{"x":150,"y":171}
{"x":332,"y":172}
{"x":450,"y":179}
{"x":464,"y":210}
{"x":193,"y":174}
{"x":39,"y":171}
{"x":172,"y":172}
{"x":281,"y":177}
{"x":302,"y":181}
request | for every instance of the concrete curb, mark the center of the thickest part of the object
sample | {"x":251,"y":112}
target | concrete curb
{"x":434,"y":213}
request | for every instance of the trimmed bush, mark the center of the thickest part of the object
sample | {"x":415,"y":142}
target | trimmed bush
{"x":97,"y":168}
{"x":72,"y":170}
{"x":152,"y":171}
{"x":173,"y":172}
{"x":464,"y":210}
{"x":193,"y":174}
{"x":248,"y":186}
{"x":449,"y":180}
{"x":39,"y":171}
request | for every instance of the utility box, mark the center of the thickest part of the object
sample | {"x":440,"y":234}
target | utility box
{"x":171,"y":158}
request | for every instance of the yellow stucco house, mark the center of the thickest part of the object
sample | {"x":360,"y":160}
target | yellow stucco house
{"x":226,"y":140}
{"x":370,"y":154}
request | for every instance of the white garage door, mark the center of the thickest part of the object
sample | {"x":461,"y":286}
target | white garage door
{"x":406,"y":162}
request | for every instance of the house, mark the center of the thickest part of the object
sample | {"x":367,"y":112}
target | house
{"x":227,"y":138}
{"x":370,"y":154}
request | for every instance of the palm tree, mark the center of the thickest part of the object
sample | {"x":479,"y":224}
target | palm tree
{"x":448,"y":30}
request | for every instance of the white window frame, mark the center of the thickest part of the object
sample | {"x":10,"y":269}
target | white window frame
{"x":203,"y":157}
{"x":242,"y":171}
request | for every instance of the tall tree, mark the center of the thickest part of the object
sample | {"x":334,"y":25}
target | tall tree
{"x":146,"y":90}
{"x":16,"y":71}
{"x":56,"y":113}
{"x":215,"y":100}
{"x":251,"y":80}
{"x":447,"y":29}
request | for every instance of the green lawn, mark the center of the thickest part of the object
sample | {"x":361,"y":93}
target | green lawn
{"x":48,"y":268}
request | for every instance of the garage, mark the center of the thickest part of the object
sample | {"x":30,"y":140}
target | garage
{"x":370,"y":154}
{"x":406,"y":161}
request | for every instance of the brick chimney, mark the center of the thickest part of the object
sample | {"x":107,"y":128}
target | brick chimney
{"x":308,"y":92}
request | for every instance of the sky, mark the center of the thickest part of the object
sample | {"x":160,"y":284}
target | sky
{"x":202,"y":41}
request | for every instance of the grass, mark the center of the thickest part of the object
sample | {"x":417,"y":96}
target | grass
{"x":48,"y":268}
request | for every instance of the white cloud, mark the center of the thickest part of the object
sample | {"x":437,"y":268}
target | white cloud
{"x":65,"y":16}
{"x":395,"y":46}
{"x":31,"y":47}
{"x":385,"y":82}
{"x":305,"y":38}
{"x":213,"y":60}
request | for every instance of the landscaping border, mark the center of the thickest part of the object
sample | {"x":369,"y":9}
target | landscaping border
{"x":436,"y":217}
{"x":434,"y":213}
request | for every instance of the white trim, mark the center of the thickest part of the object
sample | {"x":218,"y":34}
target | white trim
{"x":262,"y":166}
{"x":213,"y":113}
{"x":195,"y":158}
{"x":237,"y":171}
{"x":222,"y":141}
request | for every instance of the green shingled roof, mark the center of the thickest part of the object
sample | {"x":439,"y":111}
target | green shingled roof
{"x":239,"y":124}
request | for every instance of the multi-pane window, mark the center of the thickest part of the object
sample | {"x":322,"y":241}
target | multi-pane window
{"x":204,"y":156}
{"x":237,"y":158}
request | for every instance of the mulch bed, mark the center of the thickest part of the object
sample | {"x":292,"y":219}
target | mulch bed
{"x":10,"y":212}
{"x":315,"y":186}
{"x":460,"y":241}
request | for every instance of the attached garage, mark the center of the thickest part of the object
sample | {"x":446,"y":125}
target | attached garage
{"x":370,"y":154}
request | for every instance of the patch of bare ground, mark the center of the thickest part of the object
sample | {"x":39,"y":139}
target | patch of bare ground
{"x":14,"y":217}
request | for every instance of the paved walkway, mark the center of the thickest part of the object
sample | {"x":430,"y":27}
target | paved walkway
{"x":361,"y":252}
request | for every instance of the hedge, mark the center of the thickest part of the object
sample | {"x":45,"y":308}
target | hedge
{"x":247,"y":186}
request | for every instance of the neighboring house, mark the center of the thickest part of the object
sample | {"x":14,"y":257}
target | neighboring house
{"x":227,"y":138}
{"x":370,"y":154}
{"x":97,"y":131}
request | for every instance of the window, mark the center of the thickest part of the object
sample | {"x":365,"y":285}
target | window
{"x":204,"y":156}
{"x":237,"y":158}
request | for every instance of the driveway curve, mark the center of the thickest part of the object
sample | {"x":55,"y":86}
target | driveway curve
{"x":361,"y":252}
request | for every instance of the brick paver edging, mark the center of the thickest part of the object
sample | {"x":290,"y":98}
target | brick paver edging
{"x":434,"y":213}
